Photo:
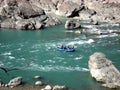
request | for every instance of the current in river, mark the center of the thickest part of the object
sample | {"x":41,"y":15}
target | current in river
{"x":35,"y":53}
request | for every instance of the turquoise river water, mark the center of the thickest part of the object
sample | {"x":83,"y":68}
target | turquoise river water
{"x":34,"y":53}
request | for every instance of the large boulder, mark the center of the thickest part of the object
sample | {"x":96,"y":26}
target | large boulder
{"x":26,"y":10}
{"x":103,"y":70}
{"x":72,"y":24}
{"x":25,"y":24}
{"x":68,"y":9}
{"x":36,"y":23}
{"x":51,"y":21}
{"x":48,"y":87}
{"x":16,"y":81}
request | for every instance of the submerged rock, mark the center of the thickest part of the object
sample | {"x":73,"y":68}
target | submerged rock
{"x":103,"y":70}
{"x":37,"y":77}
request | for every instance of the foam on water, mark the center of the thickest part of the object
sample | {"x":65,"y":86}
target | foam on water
{"x":6,"y":53}
{"x":50,"y":44}
{"x":108,"y":35}
{"x":78,"y":58}
{"x":11,"y":57}
{"x":19,"y":49}
{"x":118,"y":50}
{"x":109,"y":24}
{"x":1,"y":63}
{"x":88,"y":26}
{"x":51,"y":61}
{"x":22,"y":58}
{"x":89,"y":41}
{"x":36,"y":46}
{"x":58,"y":58}
{"x":48,"y":68}
{"x":33,"y":51}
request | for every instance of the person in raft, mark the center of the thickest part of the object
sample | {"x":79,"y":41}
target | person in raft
{"x":66,"y":47}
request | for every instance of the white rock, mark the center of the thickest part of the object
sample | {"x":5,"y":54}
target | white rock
{"x":3,"y":85}
{"x":11,"y":86}
{"x":38,"y":83}
{"x":37,"y":77}
{"x":42,"y":89}
{"x":16,"y":81}
{"x":57,"y":87}
{"x":48,"y":87}
{"x":6,"y":85}
{"x":102,"y":69}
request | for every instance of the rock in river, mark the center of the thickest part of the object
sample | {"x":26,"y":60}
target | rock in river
{"x":38,"y":83}
{"x":57,"y":87}
{"x":102,"y":69}
{"x":16,"y":81}
{"x":72,"y":24}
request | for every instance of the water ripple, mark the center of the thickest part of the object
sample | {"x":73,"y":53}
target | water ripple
{"x":6,"y":53}
{"x":57,"y":68}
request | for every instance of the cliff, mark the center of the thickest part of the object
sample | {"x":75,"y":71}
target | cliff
{"x":100,"y":10}
{"x":33,"y":14}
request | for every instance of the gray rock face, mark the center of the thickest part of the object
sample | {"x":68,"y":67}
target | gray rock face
{"x":72,"y":24}
{"x":106,"y":10}
{"x":8,"y":23}
{"x":24,"y":15}
{"x":104,"y":71}
{"x":25,"y":24}
{"x":26,"y":10}
{"x":16,"y":81}
{"x":97,"y":10}
{"x":68,"y":8}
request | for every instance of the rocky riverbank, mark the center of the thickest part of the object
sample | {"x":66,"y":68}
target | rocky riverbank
{"x":33,"y":14}
{"x":18,"y":84}
{"x":23,"y":15}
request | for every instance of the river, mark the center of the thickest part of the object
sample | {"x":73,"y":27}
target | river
{"x":34,"y":53}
